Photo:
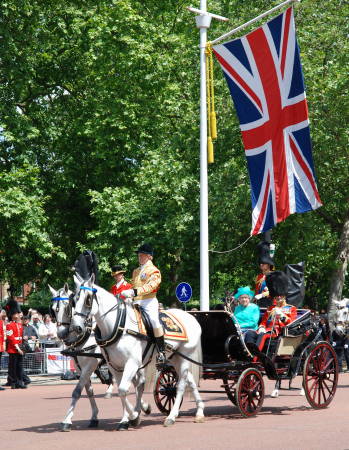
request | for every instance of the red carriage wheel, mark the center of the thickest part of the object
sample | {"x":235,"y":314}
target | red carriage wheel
{"x":166,"y":390}
{"x":320,"y":375}
{"x":249,"y":392}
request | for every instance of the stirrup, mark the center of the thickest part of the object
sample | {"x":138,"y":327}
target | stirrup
{"x":161,"y":361}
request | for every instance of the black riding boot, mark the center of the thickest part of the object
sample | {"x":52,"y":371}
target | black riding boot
{"x":161,"y":360}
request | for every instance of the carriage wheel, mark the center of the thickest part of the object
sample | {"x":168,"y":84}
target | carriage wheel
{"x":320,"y":375}
{"x":249,"y":392}
{"x":229,"y":386}
{"x":166,"y":390}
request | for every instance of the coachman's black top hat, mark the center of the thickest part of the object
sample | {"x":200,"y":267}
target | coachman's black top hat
{"x":146,"y":249}
{"x":117,"y":269}
{"x":12,"y":307}
{"x":264,"y":254}
{"x":277,"y":283}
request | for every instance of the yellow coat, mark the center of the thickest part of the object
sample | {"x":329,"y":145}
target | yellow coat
{"x":146,"y":280}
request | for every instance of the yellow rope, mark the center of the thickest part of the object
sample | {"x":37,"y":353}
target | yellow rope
{"x":211,"y":114}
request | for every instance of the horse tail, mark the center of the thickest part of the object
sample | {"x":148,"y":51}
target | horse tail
{"x":150,"y":375}
{"x":196,"y":369}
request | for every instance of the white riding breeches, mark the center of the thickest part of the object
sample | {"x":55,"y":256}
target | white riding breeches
{"x":151,"y":307}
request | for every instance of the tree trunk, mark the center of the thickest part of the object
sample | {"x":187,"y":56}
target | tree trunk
{"x":338,"y":276}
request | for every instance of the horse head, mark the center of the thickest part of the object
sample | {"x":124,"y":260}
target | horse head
{"x":85,"y":305}
{"x":61,"y":309}
{"x":342,"y":316}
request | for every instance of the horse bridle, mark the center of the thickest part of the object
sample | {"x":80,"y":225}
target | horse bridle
{"x":67,"y":309}
{"x":87,"y":303}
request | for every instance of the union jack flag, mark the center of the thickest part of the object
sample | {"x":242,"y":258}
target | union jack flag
{"x":264,"y":75}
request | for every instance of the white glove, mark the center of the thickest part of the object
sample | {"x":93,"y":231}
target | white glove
{"x":128,"y":293}
{"x":278,"y":313}
{"x":258,"y":296}
{"x":261,"y":330}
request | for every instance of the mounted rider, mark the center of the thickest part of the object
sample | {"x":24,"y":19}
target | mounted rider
{"x":117,"y":272}
{"x":146,"y":281}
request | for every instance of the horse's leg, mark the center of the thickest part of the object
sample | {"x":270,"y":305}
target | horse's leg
{"x":139,"y":383}
{"x":109,"y":391}
{"x":124,"y":423}
{"x":181,"y":385}
{"x":130,"y":371}
{"x":84,"y":379}
{"x":199,"y":417}
{"x":275,"y":392}
{"x":94,"y":418}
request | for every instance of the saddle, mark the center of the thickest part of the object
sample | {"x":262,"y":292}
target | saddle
{"x":173,"y":328}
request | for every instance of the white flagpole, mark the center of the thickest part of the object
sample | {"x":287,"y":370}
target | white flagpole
{"x":203,"y":22}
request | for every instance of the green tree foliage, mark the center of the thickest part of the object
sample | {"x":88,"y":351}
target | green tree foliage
{"x":102,"y":99}
{"x":26,"y":250}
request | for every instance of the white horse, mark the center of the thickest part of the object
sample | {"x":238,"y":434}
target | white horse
{"x":342,"y":316}
{"x":61,"y":308}
{"x":126,"y":355}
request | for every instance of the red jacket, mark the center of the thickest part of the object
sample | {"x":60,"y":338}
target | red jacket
{"x":268,"y":318}
{"x":14,"y":334}
{"x":2,"y":337}
{"x":123,"y":286}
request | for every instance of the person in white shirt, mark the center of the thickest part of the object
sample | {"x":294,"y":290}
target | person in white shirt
{"x":47,"y":330}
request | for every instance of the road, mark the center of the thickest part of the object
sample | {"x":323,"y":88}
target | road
{"x":30,"y":419}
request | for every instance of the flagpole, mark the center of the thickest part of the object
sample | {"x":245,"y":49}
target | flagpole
{"x":226,"y":35}
{"x":203,"y":22}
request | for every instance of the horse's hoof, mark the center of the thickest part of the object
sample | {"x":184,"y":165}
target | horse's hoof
{"x":107,"y":395}
{"x":93,"y":423}
{"x":122,"y":426}
{"x":169,"y":422}
{"x":147,"y":410}
{"x":135,"y":422}
{"x":199,"y":419}
{"x":66,"y":427}
{"x":302,"y":392}
{"x":275,"y":393}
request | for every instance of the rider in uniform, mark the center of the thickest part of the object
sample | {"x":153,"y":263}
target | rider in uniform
{"x":14,"y":334}
{"x":117,"y":272}
{"x":146,"y":281}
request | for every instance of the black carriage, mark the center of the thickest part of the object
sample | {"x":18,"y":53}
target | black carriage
{"x":301,"y":349}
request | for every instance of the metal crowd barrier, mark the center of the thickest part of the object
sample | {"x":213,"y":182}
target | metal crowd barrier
{"x":46,"y":359}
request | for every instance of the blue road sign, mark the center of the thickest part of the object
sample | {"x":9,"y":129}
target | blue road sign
{"x":184,"y":292}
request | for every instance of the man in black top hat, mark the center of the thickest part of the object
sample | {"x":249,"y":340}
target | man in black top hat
{"x":266,"y":265}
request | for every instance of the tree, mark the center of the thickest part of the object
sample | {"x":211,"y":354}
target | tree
{"x":25,"y":247}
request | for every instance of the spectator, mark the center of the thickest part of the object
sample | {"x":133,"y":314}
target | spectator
{"x":35,"y":322}
{"x":47,"y":330}
{"x":2,"y":342}
{"x":29,"y":332}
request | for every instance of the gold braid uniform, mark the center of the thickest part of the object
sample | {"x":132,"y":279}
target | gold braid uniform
{"x":146,"y":282}
{"x":146,"y":279}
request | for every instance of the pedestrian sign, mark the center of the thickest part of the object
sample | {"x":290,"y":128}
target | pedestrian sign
{"x":184,"y":292}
